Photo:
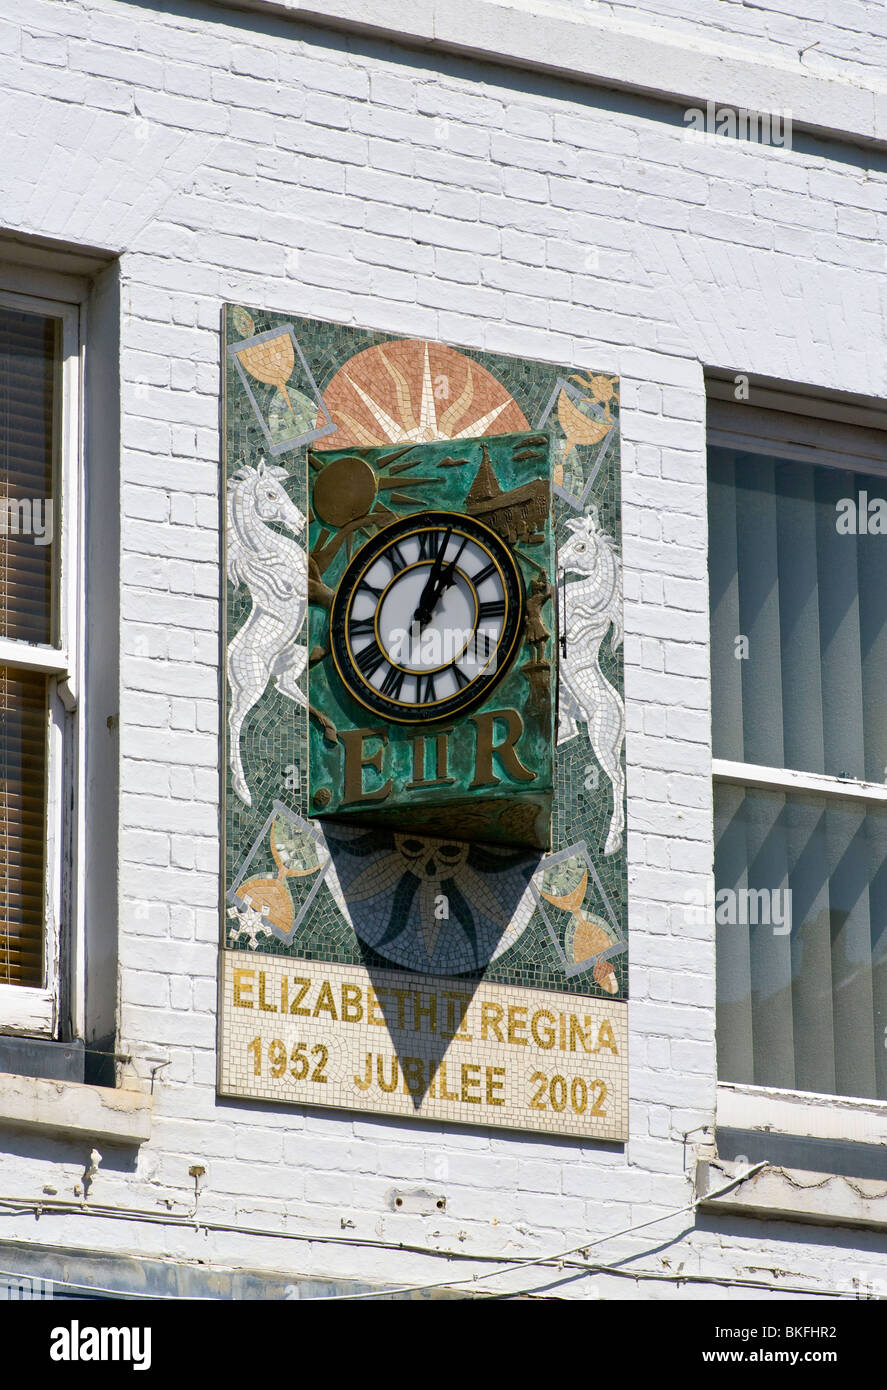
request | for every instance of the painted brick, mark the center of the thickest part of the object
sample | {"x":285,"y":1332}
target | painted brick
{"x":323,"y":178}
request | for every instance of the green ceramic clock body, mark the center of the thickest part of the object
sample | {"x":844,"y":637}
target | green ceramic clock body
{"x":432,"y":661}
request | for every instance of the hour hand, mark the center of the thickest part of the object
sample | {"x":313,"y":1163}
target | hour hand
{"x":428,"y":602}
{"x":430,"y":594}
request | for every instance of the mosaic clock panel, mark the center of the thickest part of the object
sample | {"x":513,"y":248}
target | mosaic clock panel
{"x":469,"y":975}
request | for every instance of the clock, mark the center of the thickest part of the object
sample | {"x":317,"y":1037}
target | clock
{"x":427,"y":618}
{"x":431,"y":662}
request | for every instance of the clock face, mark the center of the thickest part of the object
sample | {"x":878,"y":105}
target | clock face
{"x":426,"y":617}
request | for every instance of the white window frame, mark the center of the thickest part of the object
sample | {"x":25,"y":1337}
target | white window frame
{"x":815,"y":440}
{"x":23,"y":1009}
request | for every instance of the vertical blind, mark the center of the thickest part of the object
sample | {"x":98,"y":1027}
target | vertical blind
{"x":29,"y":432}
{"x":804,"y":1009}
{"x":812,"y":602}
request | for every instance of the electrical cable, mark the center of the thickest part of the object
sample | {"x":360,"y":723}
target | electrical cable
{"x":63,"y":1206}
{"x":193,"y":1221}
{"x":663,"y":1276}
{"x":526,"y":1262}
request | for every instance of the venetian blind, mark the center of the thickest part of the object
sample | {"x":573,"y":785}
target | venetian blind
{"x":29,"y":405}
{"x":799,"y":671}
{"x":22,"y":825}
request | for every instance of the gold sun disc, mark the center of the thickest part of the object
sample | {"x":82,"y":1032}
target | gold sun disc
{"x":344,"y":490}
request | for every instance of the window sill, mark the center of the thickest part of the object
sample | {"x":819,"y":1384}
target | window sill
{"x":788,"y":779}
{"x":785,"y":1194}
{"x":26,"y":1011}
{"x":765,"y":1109}
{"x":119,"y":1116}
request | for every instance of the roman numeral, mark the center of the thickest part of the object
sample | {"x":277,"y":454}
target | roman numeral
{"x":370,"y":588}
{"x":461,"y":678}
{"x":392,"y":683}
{"x":361,"y":627}
{"x":485,"y":573}
{"x":425,"y":691}
{"x":395,"y":557}
{"x":369,"y":659}
{"x":484,"y":646}
{"x":427,"y":545}
{"x":495,"y":608}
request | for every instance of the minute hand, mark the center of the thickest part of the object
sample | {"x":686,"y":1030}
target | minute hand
{"x":430,"y":593}
{"x":446,"y":577}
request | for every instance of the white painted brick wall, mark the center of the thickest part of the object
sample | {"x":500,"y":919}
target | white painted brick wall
{"x":268,"y":164}
{"x":846,"y":37}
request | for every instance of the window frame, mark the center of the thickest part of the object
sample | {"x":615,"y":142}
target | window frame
{"x":30,"y":1010}
{"x":809,"y":430}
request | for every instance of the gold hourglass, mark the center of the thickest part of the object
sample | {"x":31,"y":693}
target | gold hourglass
{"x":295,"y":855}
{"x":271,"y":362}
{"x":589,"y":935}
{"x":579,"y":427}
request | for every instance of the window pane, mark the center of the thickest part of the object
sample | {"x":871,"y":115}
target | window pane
{"x":29,"y":405}
{"x":23,"y":726}
{"x":802,"y":980}
{"x":798,"y":561}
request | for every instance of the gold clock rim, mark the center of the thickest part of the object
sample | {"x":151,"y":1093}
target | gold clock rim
{"x":431,"y":703}
{"x":507,"y":659}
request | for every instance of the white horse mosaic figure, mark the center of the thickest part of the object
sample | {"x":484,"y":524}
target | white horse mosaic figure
{"x":275,"y":571}
{"x":591,"y":604}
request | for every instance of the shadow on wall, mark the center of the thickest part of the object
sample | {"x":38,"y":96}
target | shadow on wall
{"x":659,"y":110}
{"x":838,"y":1156}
